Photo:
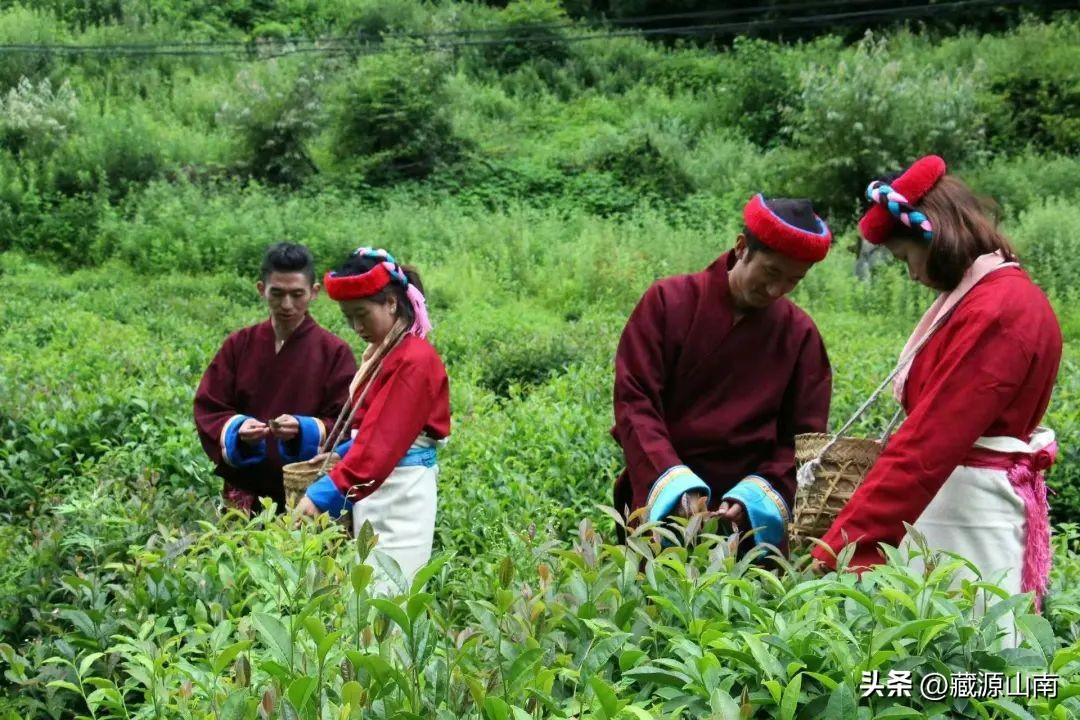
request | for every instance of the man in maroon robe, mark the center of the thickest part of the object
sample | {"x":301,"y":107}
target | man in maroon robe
{"x":274,"y":389}
{"x":717,"y":372}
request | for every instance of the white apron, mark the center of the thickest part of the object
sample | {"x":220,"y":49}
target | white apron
{"x":402,"y":514}
{"x":979,"y":515}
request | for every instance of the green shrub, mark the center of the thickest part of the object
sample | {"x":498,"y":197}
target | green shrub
{"x":1025,"y":181}
{"x":21,"y":25}
{"x":389,"y":118}
{"x":276,"y":111}
{"x":871,"y":113}
{"x":35,"y":119}
{"x":520,"y":36}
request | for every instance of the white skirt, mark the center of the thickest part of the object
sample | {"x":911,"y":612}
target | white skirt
{"x":978,"y":515}
{"x":402,"y":514}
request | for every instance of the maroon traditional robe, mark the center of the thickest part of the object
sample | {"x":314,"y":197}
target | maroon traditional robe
{"x":725,"y":399}
{"x":308,"y":378}
{"x":987,"y":372}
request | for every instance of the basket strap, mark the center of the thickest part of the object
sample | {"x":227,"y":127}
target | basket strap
{"x":805,"y":474}
{"x":367,"y":380}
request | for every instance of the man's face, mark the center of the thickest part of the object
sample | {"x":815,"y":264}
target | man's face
{"x":762,"y":277}
{"x":287,"y":295}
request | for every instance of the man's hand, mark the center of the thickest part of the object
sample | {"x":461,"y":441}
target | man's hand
{"x":252,"y":431}
{"x":306,"y":508}
{"x":319,"y":459}
{"x":691,"y":503}
{"x":733,"y":512}
{"x":285,"y":427}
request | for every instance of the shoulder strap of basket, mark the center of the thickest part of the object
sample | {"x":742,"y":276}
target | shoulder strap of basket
{"x":805,"y":474}
{"x":369,"y":371}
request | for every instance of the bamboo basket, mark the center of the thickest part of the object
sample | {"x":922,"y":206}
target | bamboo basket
{"x":839,"y":474}
{"x":297,"y":476}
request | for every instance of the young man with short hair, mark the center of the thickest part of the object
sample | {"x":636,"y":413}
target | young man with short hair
{"x":274,"y":389}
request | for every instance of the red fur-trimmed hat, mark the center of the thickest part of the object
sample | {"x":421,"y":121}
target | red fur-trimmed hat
{"x":878,"y":223}
{"x":783,"y":237}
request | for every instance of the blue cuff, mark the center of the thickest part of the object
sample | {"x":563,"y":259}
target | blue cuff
{"x":234,"y":450}
{"x":343,"y":448}
{"x":306,"y":443}
{"x":669,"y":488}
{"x":326,"y":496}
{"x":766,"y":510}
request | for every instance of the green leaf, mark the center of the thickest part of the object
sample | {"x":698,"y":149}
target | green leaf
{"x":1008,"y":706}
{"x":790,"y":702}
{"x":65,"y":685}
{"x":228,"y":655}
{"x":898,"y":711}
{"x":723,"y":706}
{"x":360,"y":577}
{"x":275,"y":636}
{"x":1038,"y":631}
{"x":300,"y":691}
{"x":638,"y":712}
{"x":417,"y":604}
{"x":765,"y":660}
{"x":609,"y":703}
{"x":630,"y":658}
{"x":315,"y":629}
{"x":522,"y":664}
{"x":352,"y":693}
{"x":495,"y":709}
{"x":426,"y":573}
{"x":235,"y":706}
{"x":392,"y":611}
{"x":86,"y":662}
{"x":842,"y":704}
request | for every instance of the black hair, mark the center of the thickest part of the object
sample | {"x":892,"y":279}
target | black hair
{"x":286,"y":257}
{"x":796,"y":212}
{"x":360,"y":264}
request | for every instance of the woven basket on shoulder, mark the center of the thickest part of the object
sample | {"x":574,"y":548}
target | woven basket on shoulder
{"x":840,"y":472}
{"x":297,"y":476}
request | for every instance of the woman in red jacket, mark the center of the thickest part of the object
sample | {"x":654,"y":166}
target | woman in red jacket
{"x":388,"y":470}
{"x":966,"y":467}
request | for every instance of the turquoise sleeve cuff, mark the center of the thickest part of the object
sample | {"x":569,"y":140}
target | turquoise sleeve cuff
{"x":324,"y":494}
{"x":306,"y":444}
{"x":670,"y":487}
{"x":235,"y":451}
{"x":767,"y":512}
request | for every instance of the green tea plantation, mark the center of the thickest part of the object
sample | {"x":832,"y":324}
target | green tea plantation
{"x":540,"y":186}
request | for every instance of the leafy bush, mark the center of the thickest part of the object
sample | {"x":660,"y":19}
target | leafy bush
{"x":389,"y":118}
{"x":524,"y":36}
{"x":21,"y":25}
{"x":35,"y":119}
{"x":275,"y":114}
{"x":871,"y":113}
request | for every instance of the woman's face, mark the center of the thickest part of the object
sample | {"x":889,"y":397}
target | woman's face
{"x":371,"y":320}
{"x":915,"y":254}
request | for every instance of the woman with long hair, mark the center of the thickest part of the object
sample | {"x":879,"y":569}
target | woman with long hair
{"x":975,"y":378}
{"x":400,"y":400}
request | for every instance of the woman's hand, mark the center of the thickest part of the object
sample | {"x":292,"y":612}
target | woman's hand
{"x":319,"y":459}
{"x":306,"y":508}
